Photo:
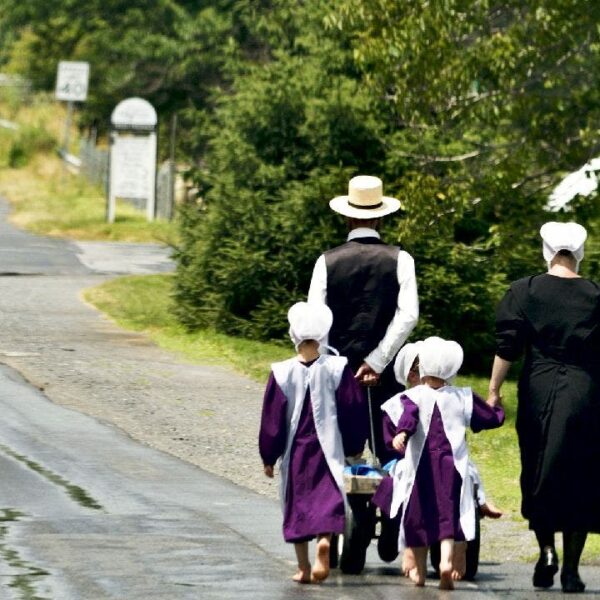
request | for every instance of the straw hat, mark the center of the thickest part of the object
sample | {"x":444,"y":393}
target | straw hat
{"x":309,"y":322}
{"x":365,"y":199}
{"x":440,"y":358}
{"x":562,"y":236}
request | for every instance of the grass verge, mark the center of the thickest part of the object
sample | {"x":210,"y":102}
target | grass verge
{"x":143,"y":303}
{"x":48,"y":200}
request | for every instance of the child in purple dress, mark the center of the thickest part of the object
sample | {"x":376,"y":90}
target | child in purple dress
{"x":433,"y":485}
{"x":314,"y":414}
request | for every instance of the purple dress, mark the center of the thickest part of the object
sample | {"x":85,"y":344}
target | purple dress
{"x":432,"y":511}
{"x":313,"y":504}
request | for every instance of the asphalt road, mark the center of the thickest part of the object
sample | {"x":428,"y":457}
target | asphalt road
{"x":88,"y":513}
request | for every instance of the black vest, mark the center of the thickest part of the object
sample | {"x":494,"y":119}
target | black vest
{"x":362,"y":292}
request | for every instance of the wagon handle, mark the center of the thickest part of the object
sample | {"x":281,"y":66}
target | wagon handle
{"x":371,"y":423}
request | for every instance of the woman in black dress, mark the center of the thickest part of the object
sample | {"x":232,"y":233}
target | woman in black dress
{"x":554,"y":318}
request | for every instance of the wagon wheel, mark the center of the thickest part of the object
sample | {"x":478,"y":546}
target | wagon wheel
{"x":360,"y":527}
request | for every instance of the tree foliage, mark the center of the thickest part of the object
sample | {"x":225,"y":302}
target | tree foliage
{"x":469,"y":110}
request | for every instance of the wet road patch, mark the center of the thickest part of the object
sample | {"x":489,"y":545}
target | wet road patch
{"x":75,"y":492}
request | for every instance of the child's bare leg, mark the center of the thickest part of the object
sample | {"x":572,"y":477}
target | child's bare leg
{"x":459,"y":560}
{"x":418,"y":572}
{"x":303,"y":573}
{"x":487,"y":509}
{"x":446,"y":552}
{"x":408,"y":561}
{"x":321,"y":569}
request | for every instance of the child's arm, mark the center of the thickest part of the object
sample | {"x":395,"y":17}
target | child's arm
{"x":399,"y":442}
{"x":407,"y":424}
{"x":485,"y":416}
{"x":273,"y":426}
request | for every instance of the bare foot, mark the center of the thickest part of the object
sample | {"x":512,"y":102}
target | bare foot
{"x":489,"y":510}
{"x":459,"y":560}
{"x":446,"y":581}
{"x":417,"y":577}
{"x":302,"y":575}
{"x":408,"y":562}
{"x":320,"y":571}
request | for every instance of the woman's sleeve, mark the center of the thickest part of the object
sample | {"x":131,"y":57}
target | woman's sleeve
{"x":352,"y":413}
{"x":510,"y":328}
{"x":273,"y":426}
{"x":485,"y":416}
{"x":410,"y":416}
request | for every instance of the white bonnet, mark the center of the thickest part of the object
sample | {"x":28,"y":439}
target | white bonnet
{"x":440,"y":358}
{"x":309,"y":322}
{"x":563,"y":236}
{"x":404,"y":361}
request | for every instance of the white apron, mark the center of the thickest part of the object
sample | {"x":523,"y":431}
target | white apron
{"x":322,"y":378}
{"x":456,"y":407}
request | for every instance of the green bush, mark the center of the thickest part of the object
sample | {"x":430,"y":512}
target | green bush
{"x":28,"y":142}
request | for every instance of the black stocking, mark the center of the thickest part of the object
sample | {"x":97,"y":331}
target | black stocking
{"x":573,"y":543}
{"x":545,"y":538}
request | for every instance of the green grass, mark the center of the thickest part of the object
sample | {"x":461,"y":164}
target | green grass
{"x":47,"y":200}
{"x":143,"y":303}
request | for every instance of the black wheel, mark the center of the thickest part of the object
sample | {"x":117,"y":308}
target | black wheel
{"x":334,"y":551}
{"x":434,"y":557}
{"x":473,"y":550}
{"x":360,"y":528}
{"x":387,"y":544}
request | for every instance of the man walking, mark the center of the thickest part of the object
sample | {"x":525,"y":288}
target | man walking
{"x":371,"y":290}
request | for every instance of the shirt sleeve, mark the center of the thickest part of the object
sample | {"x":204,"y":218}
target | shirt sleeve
{"x":510,"y":328}
{"x":409,"y":420}
{"x":485,"y":416}
{"x":317,"y":292}
{"x":352,"y":413}
{"x":273,"y":425}
{"x":405,"y":317}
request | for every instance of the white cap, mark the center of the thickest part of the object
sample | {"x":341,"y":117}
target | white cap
{"x":440,"y":358}
{"x":405,"y":360}
{"x":309,"y":321}
{"x":563,"y":236}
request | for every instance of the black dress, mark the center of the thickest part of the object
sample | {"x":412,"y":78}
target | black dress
{"x":556,"y":321}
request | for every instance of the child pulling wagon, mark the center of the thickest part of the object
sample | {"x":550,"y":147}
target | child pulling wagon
{"x":314,"y":414}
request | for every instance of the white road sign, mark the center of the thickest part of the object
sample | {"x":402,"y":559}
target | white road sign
{"x":72,"y":80}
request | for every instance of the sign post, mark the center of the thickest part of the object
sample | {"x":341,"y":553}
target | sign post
{"x":132,"y":173}
{"x":72,"y":80}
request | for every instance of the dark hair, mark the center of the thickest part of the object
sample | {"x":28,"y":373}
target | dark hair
{"x":566,"y":253}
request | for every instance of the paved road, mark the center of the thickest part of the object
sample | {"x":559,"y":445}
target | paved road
{"x":88,"y":513}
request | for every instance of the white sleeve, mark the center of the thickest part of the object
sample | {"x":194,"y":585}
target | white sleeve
{"x":317,"y":292}
{"x":405,"y":317}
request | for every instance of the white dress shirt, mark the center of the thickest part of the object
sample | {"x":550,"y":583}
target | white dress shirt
{"x":407,"y":308}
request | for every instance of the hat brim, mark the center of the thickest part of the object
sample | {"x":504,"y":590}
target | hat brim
{"x":388,"y":206}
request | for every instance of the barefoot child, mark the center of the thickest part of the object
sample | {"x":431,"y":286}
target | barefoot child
{"x":434,"y":488}
{"x":314,"y":414}
{"x":406,"y":369}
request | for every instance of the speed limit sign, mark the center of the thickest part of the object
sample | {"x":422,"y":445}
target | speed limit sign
{"x":72,"y":80}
